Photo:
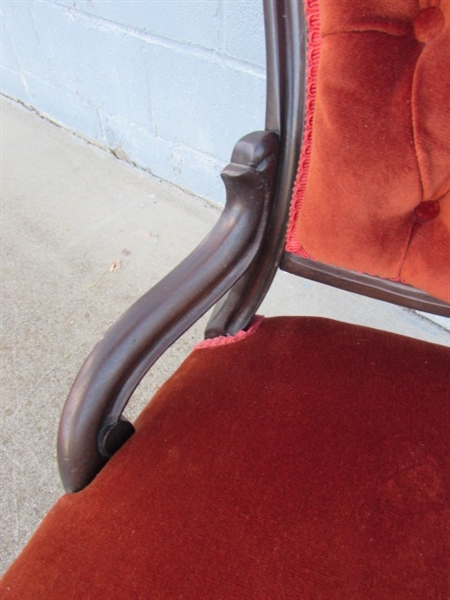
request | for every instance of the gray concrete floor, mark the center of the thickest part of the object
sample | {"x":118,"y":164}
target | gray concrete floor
{"x":69,"y":212}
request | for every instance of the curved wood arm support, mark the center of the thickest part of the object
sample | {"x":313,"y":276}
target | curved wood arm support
{"x":92,"y":427}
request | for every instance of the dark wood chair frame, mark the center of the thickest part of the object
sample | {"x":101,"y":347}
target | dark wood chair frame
{"x":232,"y":268}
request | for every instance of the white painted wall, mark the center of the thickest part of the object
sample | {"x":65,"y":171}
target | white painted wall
{"x":170,"y":85}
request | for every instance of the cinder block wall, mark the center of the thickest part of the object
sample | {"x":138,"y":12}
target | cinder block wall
{"x":170,"y":85}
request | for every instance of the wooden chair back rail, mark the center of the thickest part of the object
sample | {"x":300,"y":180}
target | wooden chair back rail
{"x":365,"y":285}
{"x":286,"y":77}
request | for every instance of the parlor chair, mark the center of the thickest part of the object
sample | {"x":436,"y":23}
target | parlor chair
{"x":291,"y":458}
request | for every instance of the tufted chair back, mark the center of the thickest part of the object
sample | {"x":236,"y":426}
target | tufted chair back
{"x":372,"y":192}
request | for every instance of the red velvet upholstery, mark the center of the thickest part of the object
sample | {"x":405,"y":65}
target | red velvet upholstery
{"x":372,"y":193}
{"x":308,"y":460}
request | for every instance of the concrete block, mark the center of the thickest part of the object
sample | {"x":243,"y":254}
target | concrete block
{"x":13,"y":85}
{"x":244,"y":31}
{"x":194,"y":22}
{"x":197,"y":171}
{"x":101,"y":65}
{"x":204,"y":104}
{"x":9,"y":58}
{"x":65,"y":108}
{"x":129,"y":140}
{"x":18,"y":32}
{"x":179,"y":164}
{"x":18,"y":26}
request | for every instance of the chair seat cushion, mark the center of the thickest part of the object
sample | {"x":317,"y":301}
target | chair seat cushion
{"x":308,"y":459}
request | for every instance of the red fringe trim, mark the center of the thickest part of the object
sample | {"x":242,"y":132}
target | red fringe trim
{"x":223,"y":340}
{"x":313,"y":55}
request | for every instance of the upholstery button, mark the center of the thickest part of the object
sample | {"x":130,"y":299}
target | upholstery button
{"x":428,"y":24}
{"x":427,"y":210}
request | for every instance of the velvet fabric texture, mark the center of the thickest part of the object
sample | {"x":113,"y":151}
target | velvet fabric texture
{"x":307,"y":460}
{"x":372,"y":192}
